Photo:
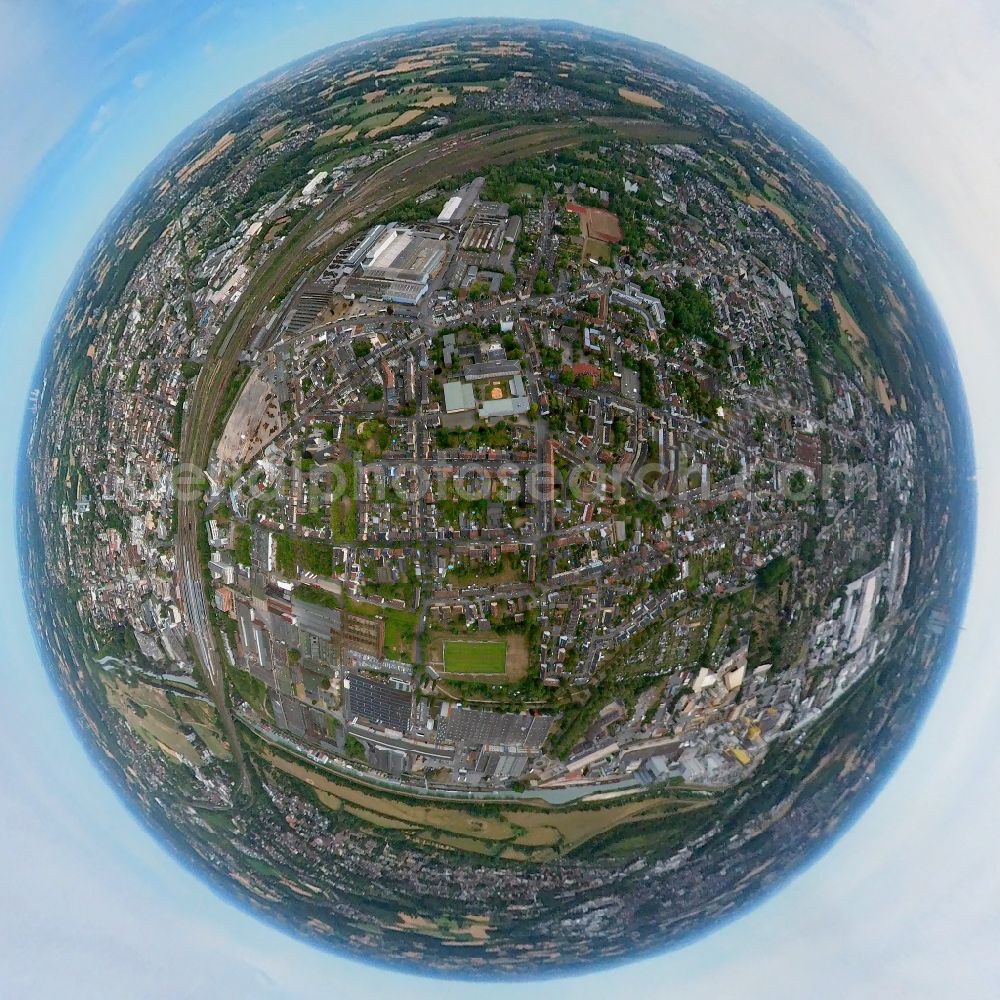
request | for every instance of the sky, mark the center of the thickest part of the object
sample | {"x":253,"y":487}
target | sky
{"x":903,"y":92}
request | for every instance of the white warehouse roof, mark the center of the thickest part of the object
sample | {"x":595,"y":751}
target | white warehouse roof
{"x":449,"y":209}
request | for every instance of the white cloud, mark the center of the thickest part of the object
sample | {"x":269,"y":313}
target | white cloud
{"x":104,"y":114}
{"x":126,"y":51}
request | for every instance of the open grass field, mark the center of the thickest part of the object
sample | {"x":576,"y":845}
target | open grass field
{"x":517,"y":660}
{"x":425,"y":96}
{"x":518,"y":657}
{"x":400,"y":627}
{"x":269,"y":135}
{"x":848,"y":322}
{"x":474,"y":930}
{"x":375,"y":122}
{"x":400,"y":121}
{"x":343,"y":521}
{"x":856,"y":343}
{"x":463,"y":577}
{"x":598,"y":250}
{"x":331,"y":135}
{"x":462,"y":657}
{"x":384,"y":103}
{"x":808,"y":299}
{"x":646,"y":130}
{"x":160,"y":718}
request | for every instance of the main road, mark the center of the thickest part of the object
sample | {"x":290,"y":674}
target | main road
{"x":306,"y":249}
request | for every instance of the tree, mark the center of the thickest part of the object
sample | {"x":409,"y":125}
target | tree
{"x":798,"y":485}
{"x":543,"y":286}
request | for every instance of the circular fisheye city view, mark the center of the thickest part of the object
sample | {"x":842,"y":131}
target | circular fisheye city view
{"x":497,"y":498}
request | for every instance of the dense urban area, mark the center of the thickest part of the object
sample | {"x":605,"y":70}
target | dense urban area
{"x":498,"y":495}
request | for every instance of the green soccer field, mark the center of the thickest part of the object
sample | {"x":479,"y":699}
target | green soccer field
{"x":475,"y":657}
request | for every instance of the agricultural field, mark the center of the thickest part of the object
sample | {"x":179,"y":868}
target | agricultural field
{"x":399,"y":121}
{"x":332,"y":135}
{"x":636,"y":97}
{"x":162,"y":717}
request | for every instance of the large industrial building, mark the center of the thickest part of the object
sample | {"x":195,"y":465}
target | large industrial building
{"x":395,"y":263}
